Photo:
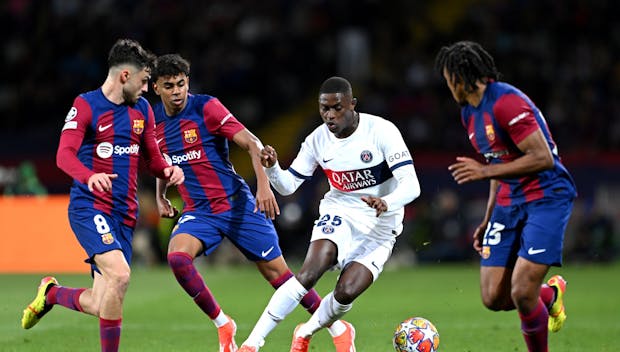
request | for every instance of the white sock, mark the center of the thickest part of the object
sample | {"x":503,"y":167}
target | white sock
{"x":337,"y":328}
{"x":220,"y":320}
{"x":328,"y":312}
{"x":282,"y":303}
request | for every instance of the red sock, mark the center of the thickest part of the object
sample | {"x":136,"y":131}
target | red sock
{"x":534,"y":328}
{"x":110,"y":334}
{"x":310,"y":301}
{"x":65,"y":296}
{"x":547,"y":294}
{"x":182,"y":265}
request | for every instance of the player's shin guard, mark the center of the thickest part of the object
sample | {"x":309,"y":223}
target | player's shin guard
{"x":310,"y":301}
{"x":65,"y":296}
{"x":110,"y":334}
{"x":534,"y":328}
{"x":182,"y":265}
{"x":282,"y":303}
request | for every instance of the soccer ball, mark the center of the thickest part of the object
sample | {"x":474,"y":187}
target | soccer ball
{"x":416,"y":335}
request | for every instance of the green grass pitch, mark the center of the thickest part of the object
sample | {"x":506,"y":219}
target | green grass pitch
{"x":159,"y":316}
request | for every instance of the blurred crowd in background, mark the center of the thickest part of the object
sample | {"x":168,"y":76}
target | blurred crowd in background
{"x":265,"y":61}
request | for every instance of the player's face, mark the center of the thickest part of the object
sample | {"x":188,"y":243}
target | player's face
{"x":173,"y":92}
{"x":137,"y":84}
{"x":457,"y":88}
{"x":338,"y":112}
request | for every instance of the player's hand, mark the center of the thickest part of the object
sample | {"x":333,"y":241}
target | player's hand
{"x":268,"y":156}
{"x":466,"y":170}
{"x":101,"y":182}
{"x":174,"y":175}
{"x":478,"y":237}
{"x":266,"y":203}
{"x":376,"y":203}
{"x":166,"y":210}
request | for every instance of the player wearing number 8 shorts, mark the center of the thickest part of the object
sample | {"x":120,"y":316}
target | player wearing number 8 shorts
{"x":106,"y":133}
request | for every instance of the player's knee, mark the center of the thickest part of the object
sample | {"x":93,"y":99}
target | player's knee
{"x":494,"y":302}
{"x":119,"y":281}
{"x":307,"y":278}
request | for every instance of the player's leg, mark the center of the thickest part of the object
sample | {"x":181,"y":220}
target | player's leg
{"x":495,"y":288}
{"x":320,"y":257}
{"x":277,"y":272}
{"x":182,"y":251}
{"x":542,"y":237}
{"x":115,"y":274}
{"x":526,"y":282}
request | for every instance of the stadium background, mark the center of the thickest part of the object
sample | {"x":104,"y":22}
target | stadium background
{"x":265,"y":61}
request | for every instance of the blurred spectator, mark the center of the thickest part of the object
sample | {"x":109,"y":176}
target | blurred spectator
{"x":25,"y":181}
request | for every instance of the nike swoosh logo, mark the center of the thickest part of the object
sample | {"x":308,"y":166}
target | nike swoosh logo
{"x":159,"y":140}
{"x":186,"y":218}
{"x":103,"y":128}
{"x":328,"y":160}
{"x":266,"y":253}
{"x":375,"y":265}
{"x":471,"y":135}
{"x":533,"y":251}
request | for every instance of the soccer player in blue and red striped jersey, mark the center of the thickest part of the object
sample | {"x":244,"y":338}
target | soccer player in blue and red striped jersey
{"x":531,"y":193}
{"x":193,"y":131}
{"x":105,"y":134}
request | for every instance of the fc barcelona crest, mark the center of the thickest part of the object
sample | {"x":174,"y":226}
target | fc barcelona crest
{"x":138,"y":126}
{"x":490,"y":132}
{"x":107,"y":238}
{"x":190,"y":136}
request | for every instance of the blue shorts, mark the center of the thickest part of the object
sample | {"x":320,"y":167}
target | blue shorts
{"x":99,"y":232}
{"x":252,"y":233}
{"x":534,"y":231}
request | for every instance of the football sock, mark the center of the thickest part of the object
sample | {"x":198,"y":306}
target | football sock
{"x":182,"y":265}
{"x":547,"y":294}
{"x":110,"y":334}
{"x":534,"y":328}
{"x":329,"y":311}
{"x":65,"y":296}
{"x":220,"y":320}
{"x":310,"y":301}
{"x":283,"y":302}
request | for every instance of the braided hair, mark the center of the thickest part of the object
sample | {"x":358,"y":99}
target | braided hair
{"x":466,"y":62}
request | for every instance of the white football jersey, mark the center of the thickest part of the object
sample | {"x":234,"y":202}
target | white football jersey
{"x":356,"y":166}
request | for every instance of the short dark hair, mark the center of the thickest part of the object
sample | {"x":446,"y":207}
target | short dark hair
{"x":129,"y":51}
{"x":170,"y":65}
{"x":466,"y":61}
{"x":336,"y":85}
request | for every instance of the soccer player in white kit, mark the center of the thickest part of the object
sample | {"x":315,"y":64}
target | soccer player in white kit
{"x":372,"y":177}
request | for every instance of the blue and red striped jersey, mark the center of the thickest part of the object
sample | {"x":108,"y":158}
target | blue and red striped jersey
{"x":503,"y":119}
{"x":101,"y":136}
{"x":196,"y":139}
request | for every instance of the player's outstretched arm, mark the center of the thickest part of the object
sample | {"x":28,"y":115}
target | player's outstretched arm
{"x":265,"y":199}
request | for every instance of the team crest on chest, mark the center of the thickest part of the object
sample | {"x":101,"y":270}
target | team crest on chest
{"x":190,"y":136}
{"x":138,"y":126}
{"x":366,"y":156}
{"x":490,"y":132}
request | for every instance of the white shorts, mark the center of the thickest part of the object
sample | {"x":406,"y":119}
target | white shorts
{"x":359,"y":238}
